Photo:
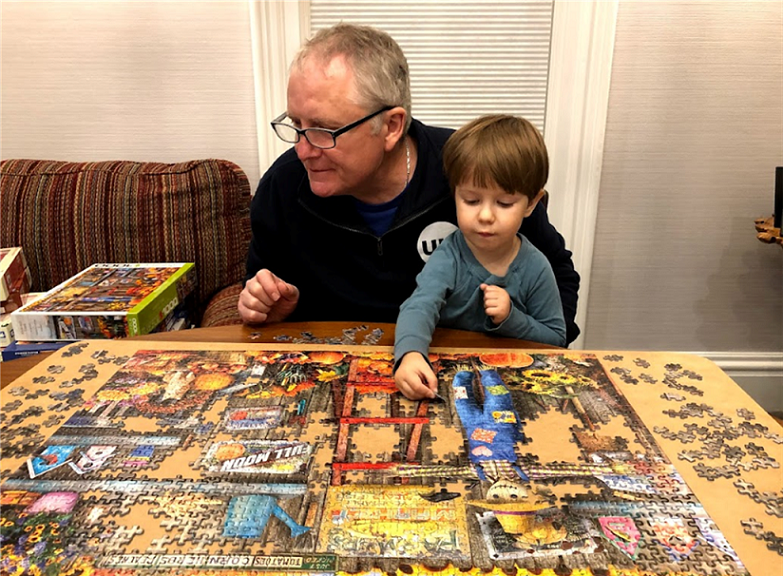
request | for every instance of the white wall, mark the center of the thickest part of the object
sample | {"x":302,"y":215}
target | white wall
{"x":694,"y":132}
{"x":147,"y":81}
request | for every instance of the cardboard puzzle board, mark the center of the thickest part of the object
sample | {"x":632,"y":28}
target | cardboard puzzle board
{"x":132,"y":457}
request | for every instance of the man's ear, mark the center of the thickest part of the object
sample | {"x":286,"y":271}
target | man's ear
{"x":534,"y":202}
{"x":394,"y":127}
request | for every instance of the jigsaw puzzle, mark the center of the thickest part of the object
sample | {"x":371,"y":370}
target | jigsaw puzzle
{"x":285,"y":460}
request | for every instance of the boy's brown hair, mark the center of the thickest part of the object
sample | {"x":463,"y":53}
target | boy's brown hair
{"x":497,"y":149}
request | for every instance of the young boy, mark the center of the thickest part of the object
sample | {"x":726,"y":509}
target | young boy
{"x":485,"y":276}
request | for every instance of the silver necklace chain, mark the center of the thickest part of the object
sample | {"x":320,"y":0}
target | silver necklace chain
{"x":407,"y":163}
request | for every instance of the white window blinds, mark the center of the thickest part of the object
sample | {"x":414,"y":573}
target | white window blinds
{"x":466,"y":58}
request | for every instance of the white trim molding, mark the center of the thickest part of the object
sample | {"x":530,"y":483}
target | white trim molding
{"x":747,"y":363}
{"x":577,"y":100}
{"x":760,"y":374}
{"x":277,"y":30}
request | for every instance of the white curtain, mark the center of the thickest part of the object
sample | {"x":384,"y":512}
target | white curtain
{"x":466,"y":58}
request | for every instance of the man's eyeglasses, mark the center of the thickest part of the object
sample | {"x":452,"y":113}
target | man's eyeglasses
{"x":317,"y":137}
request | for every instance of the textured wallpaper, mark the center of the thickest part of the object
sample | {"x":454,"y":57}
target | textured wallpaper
{"x":146,"y":81}
{"x":694,"y":132}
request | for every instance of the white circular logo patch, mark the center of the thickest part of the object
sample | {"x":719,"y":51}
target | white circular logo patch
{"x":431,"y":237}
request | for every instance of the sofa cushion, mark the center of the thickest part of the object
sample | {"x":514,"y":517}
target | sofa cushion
{"x":67,"y":216}
{"x":222,"y":309}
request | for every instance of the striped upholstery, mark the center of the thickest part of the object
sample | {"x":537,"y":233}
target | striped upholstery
{"x":67,"y":216}
{"x":222,"y":309}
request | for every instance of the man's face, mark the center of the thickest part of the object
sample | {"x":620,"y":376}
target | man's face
{"x":323,"y":97}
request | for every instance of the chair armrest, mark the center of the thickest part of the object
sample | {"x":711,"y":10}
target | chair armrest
{"x":222,"y":308}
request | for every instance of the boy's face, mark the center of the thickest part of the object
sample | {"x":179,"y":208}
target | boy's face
{"x":490,"y":217}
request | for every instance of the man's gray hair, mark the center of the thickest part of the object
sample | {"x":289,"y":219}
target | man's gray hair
{"x":378,"y":63}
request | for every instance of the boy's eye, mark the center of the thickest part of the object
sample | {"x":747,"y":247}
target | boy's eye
{"x":469,"y":201}
{"x":505,"y":204}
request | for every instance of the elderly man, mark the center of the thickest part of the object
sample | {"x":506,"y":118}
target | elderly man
{"x":344,"y":221}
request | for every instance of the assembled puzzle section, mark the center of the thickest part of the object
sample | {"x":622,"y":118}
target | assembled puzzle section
{"x":298,"y":461}
{"x":106,"y":301}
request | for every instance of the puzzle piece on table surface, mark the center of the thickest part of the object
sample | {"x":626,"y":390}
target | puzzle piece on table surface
{"x":613,"y":358}
{"x":691,"y":410}
{"x":776,"y":438}
{"x":647,"y":378}
{"x":40,"y":391}
{"x":20,"y":446}
{"x":713,"y":472}
{"x":683,"y":436}
{"x":71,"y":383}
{"x":52,"y":420}
{"x":12,"y":406}
{"x":31,"y":412}
{"x":74,"y":349}
{"x":676,"y":371}
{"x":690,"y":455}
{"x":58,"y":407}
{"x":625,"y":375}
{"x":349,"y":334}
{"x":373,"y":337}
{"x":733,"y":453}
{"x":765,"y":463}
{"x":755,"y":528}
{"x":772,"y":501}
{"x":88,"y":373}
{"x":746,"y":414}
{"x":18,"y":391}
{"x":756,"y":450}
{"x":672,"y":383}
{"x":752,"y":430}
{"x":697,"y":430}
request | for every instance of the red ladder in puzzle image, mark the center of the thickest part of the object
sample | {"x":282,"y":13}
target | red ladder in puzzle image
{"x":358,"y":383}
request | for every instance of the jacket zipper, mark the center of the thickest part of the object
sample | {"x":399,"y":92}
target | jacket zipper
{"x":378,"y":238}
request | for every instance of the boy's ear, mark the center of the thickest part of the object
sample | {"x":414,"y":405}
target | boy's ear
{"x":534,"y":202}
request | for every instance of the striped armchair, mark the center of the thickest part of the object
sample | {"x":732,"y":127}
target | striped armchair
{"x":67,"y":216}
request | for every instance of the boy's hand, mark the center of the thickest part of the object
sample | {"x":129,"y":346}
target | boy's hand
{"x":414,"y":377}
{"x":497,"y":303}
{"x":267,"y":298}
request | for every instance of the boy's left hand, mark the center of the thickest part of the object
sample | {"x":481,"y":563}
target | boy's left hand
{"x":497,"y":303}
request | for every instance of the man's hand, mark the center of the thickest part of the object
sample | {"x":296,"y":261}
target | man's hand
{"x":414,"y":377}
{"x":497,"y":303}
{"x":267,"y":298}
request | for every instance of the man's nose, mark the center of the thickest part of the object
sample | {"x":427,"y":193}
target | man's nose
{"x":305,"y":150}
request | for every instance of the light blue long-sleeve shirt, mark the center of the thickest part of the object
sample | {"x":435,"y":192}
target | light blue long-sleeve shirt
{"x":448,"y":294}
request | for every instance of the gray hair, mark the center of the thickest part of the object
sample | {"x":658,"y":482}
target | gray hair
{"x":378,"y":63}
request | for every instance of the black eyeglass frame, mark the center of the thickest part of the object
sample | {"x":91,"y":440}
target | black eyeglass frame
{"x":333,"y":133}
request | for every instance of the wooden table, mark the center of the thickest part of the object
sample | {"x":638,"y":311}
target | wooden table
{"x":224,"y":452}
{"x":238,"y":334}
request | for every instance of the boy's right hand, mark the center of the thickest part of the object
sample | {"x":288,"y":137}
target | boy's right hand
{"x":267,"y":298}
{"x":415,"y":378}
